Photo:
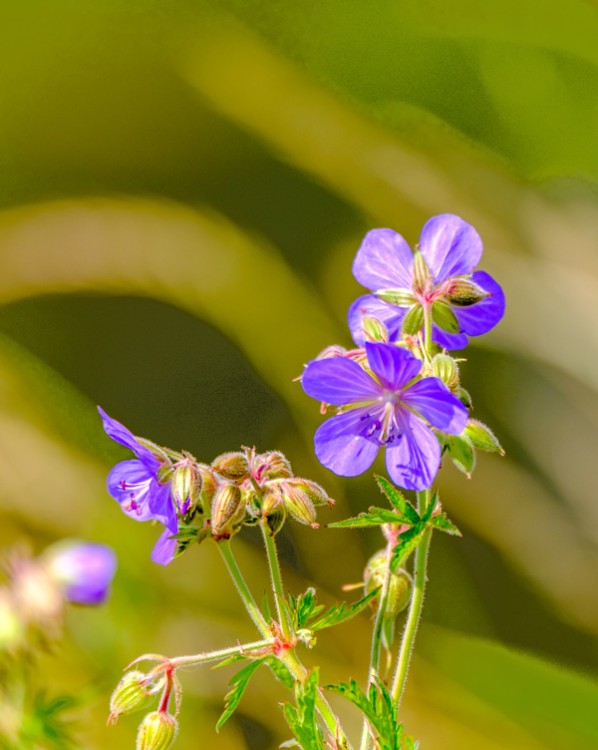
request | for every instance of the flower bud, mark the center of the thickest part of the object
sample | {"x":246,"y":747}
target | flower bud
{"x":445,"y":368}
{"x":275,"y":520}
{"x":374,"y":329}
{"x":421,"y":272}
{"x":159,"y":453}
{"x":413,"y":321}
{"x":186,"y":486}
{"x":131,"y":694}
{"x":270,"y":465}
{"x":209,"y":485}
{"x":157,"y":731}
{"x":465,"y":292}
{"x":314,"y":491}
{"x":232,"y":466}
{"x":400,"y":297}
{"x":226,"y":509}
{"x":297,"y":502}
{"x":399,"y":585}
{"x":482,"y":437}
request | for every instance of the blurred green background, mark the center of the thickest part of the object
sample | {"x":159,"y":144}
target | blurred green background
{"x":183,"y":186}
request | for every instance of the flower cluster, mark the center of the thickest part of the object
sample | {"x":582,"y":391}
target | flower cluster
{"x":399,"y":390}
{"x":194,"y":501}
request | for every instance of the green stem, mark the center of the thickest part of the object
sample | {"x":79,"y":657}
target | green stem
{"x":223,"y":653}
{"x":376,"y":647}
{"x":276,"y":579}
{"x":415,"y":607}
{"x":244,"y":592}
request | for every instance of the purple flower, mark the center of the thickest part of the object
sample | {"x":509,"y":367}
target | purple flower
{"x":137,"y":485}
{"x":83,"y":570}
{"x":451,"y":249}
{"x":385,"y":408}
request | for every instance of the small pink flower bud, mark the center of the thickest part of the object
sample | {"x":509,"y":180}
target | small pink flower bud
{"x":465,"y":292}
{"x":157,"y":731}
{"x":131,"y":694}
{"x":227,"y":509}
{"x":232,"y":466}
{"x":187,"y":485}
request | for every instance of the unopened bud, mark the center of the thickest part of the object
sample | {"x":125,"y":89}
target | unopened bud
{"x":314,"y":491}
{"x":445,"y":318}
{"x":233,"y":466}
{"x":298,"y":503}
{"x":445,"y":368}
{"x":226,"y":509}
{"x":482,"y":437}
{"x":271,"y":465}
{"x":159,"y":452}
{"x":464,"y":397}
{"x":374,"y":329}
{"x":465,"y":292}
{"x":421,"y":272}
{"x":275,"y":520}
{"x":157,"y":731}
{"x":186,"y":486}
{"x":131,"y":694}
{"x":400,"y":297}
{"x":399,"y":584}
{"x":413,"y":321}
{"x":209,"y":484}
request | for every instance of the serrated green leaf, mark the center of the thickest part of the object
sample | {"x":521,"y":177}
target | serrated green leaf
{"x":430,"y":508}
{"x":462,"y":453}
{"x":305,"y":606}
{"x":408,"y":541}
{"x":410,"y":744}
{"x":281,"y":672}
{"x":443,"y":523}
{"x":238,"y":684}
{"x":342,"y":612}
{"x":397,"y":500}
{"x":372,"y":517}
{"x":302,"y":717}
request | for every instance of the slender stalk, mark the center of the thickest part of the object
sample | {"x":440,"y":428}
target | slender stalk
{"x":276,"y":579}
{"x":376,"y":646}
{"x":415,"y":607}
{"x":223,"y":653}
{"x":243,"y":589}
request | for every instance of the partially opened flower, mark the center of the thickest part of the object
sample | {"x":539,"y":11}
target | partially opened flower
{"x":142,"y":486}
{"x":83,"y":570}
{"x":383,"y":407}
{"x":441,"y":276}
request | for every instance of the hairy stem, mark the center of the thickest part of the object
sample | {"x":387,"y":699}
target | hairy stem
{"x":415,"y":606}
{"x":223,"y":653}
{"x":243,"y":589}
{"x":276,"y":579}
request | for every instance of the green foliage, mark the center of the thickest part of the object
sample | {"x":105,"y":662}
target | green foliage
{"x":372,"y":517}
{"x":462,"y":453}
{"x":44,"y":724}
{"x":397,"y":500}
{"x":307,"y":613}
{"x":238,"y":685}
{"x":407,"y":542}
{"x":380,"y":712}
{"x":301,"y":718}
{"x":441,"y":522}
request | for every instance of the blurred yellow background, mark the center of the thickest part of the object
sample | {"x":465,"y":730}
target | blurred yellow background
{"x":183,"y":186}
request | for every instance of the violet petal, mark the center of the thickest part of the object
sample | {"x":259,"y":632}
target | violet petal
{"x":383,"y":261}
{"x":450,"y":246}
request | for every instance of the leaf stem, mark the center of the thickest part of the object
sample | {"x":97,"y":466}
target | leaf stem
{"x":243,"y":589}
{"x":223,"y":653}
{"x":276,"y":579}
{"x":415,"y":606}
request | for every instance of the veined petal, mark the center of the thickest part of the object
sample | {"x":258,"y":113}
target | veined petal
{"x":414,"y":460}
{"x":162,"y":506}
{"x":370,"y":305}
{"x":481,"y":317}
{"x":164,"y":549}
{"x":129,"y":483}
{"x":450,"y":341}
{"x":121,"y":434}
{"x":392,"y":366}
{"x":450,"y":246}
{"x":432,"y":399}
{"x":383,"y":261}
{"x":339,"y":381}
{"x":341,"y":448}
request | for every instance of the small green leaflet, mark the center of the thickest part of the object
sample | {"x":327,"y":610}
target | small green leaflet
{"x":302,"y":717}
{"x":305,"y":607}
{"x":372,"y":517}
{"x":408,"y":541}
{"x":238,"y":684}
{"x":397,"y":500}
{"x":443,"y":523}
{"x":462,"y":453}
{"x":341,"y":612}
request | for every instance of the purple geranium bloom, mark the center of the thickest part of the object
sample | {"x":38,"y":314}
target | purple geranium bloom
{"x":138,"y":488}
{"x":385,"y":409}
{"x":83,"y":570}
{"x":451,"y":249}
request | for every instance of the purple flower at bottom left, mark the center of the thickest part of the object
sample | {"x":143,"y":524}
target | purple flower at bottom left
{"x":141,"y":487}
{"x":83,"y":570}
